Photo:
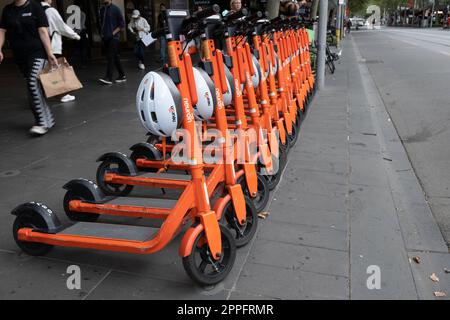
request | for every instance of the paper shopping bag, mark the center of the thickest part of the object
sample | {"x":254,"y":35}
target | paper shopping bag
{"x":59,"y":80}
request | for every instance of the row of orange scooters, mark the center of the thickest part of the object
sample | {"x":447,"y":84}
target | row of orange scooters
{"x":221,"y":123}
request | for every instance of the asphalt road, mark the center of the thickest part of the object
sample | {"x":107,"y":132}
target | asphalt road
{"x":411,"y":68}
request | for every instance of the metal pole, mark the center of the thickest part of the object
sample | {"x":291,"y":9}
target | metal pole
{"x":432,"y":14}
{"x":322,"y":43}
{"x":338,"y":24}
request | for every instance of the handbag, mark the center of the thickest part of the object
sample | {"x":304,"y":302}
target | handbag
{"x":59,"y":80}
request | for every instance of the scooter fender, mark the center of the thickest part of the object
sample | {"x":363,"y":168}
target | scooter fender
{"x":187,"y":243}
{"x":149,"y":148}
{"x":50,"y":218}
{"x":122,"y":160}
{"x":80,"y":184}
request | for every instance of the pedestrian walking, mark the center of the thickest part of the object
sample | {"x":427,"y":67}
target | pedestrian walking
{"x":139,"y":27}
{"x":373,"y":23}
{"x":349,"y":25}
{"x":111,"y":22}
{"x":25,"y":25}
{"x":162,"y":39}
{"x":58,"y":28}
{"x":82,"y":47}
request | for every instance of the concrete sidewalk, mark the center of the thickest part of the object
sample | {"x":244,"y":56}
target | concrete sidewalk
{"x":349,"y":204}
{"x":348,"y":200}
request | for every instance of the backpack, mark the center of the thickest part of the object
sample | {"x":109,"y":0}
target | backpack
{"x":53,"y":33}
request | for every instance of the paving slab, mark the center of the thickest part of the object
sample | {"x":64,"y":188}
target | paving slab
{"x":291,"y":284}
{"x":299,"y":257}
{"x":302,"y":234}
{"x":25,"y":277}
{"x":143,"y":288}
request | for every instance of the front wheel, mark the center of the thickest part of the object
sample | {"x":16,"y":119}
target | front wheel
{"x":242,"y":233}
{"x":292,"y":139}
{"x":200,"y":265}
{"x":262,"y":196}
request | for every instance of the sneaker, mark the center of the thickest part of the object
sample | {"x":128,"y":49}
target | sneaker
{"x":38,"y":130}
{"x":67,"y":98}
{"x":121,"y":79}
{"x":105,"y":81}
{"x":141,"y":66}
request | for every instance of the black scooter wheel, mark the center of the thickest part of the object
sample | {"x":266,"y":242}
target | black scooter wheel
{"x":200,"y":266}
{"x":242,"y":233}
{"x":142,"y":153}
{"x":82,"y":195}
{"x":112,"y":189}
{"x":262,"y":196}
{"x":33,"y":221}
{"x":294,"y":136}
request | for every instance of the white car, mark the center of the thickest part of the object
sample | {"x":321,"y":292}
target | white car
{"x":357,"y":22}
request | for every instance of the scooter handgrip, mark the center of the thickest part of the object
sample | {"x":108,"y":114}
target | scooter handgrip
{"x":202,"y":14}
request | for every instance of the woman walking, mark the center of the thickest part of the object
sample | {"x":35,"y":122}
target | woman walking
{"x":26,"y":26}
{"x":57,"y":28}
{"x":139,"y":27}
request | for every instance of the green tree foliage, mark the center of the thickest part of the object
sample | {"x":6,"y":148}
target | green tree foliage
{"x":360,"y":6}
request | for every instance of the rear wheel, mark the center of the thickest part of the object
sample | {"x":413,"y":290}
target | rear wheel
{"x":143,"y":153}
{"x":201,"y":266}
{"x":34,"y":221}
{"x":113,"y":189}
{"x":82,"y":195}
{"x":242,"y":233}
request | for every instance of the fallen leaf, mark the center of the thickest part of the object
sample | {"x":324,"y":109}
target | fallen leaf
{"x":434,"y":277}
{"x":416,"y":259}
{"x":440,"y":294}
{"x":263,"y":215}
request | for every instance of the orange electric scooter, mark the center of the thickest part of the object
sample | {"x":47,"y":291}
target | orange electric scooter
{"x":148,"y":156}
{"x":208,"y":249}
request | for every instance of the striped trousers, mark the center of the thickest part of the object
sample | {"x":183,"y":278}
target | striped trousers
{"x":42,"y":114}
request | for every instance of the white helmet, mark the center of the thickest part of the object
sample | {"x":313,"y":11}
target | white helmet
{"x":268,"y":62}
{"x":257,"y":75}
{"x":206,"y":94}
{"x":275,"y":67}
{"x":158,"y":103}
{"x":228,"y":96}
